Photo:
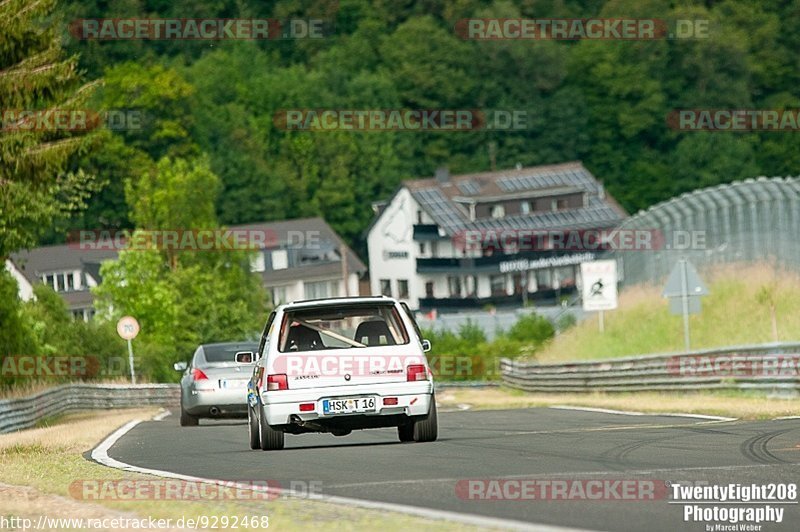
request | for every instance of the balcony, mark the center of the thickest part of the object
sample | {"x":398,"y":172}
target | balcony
{"x":491,"y":263}
{"x":426,"y":232}
{"x":543,"y":298}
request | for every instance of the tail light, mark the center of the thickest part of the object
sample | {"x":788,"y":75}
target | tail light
{"x":416,"y":372}
{"x":198,"y":375}
{"x":277,"y":382}
{"x":307,"y":407}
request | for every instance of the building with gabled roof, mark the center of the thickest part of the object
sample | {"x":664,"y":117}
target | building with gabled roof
{"x":418,"y":241}
{"x":300,"y":259}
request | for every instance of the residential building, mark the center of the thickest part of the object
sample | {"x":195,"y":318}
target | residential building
{"x":299,"y":259}
{"x":457,"y":242}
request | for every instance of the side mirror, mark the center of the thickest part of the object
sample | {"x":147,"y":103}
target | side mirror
{"x":180,"y":366}
{"x":426,"y":345}
{"x":244,"y":357}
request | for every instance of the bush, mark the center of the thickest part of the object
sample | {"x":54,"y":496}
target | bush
{"x":532,"y":330}
{"x":468,"y":355}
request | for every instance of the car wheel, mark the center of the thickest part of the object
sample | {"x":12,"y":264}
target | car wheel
{"x":406,"y":432}
{"x":269,"y":439}
{"x":188,"y":420}
{"x":341,"y":432}
{"x":252,"y":429}
{"x":427,"y":429}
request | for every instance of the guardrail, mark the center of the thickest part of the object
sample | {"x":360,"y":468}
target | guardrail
{"x":768,"y":367}
{"x":26,"y":412}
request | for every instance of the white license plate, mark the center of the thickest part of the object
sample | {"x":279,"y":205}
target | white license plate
{"x":233,"y":384}
{"x":349,"y":405}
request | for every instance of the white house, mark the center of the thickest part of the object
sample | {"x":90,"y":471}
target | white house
{"x":431,"y":244}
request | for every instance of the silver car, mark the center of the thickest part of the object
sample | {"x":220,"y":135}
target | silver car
{"x":214,"y":385}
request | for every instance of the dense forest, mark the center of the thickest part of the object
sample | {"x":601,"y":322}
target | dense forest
{"x":604,"y":102}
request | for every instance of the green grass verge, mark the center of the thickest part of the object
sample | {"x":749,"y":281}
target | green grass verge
{"x":737,"y":311}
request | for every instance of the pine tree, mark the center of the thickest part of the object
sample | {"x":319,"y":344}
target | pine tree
{"x":37,"y":80}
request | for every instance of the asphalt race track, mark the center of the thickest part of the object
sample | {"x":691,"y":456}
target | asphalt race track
{"x":537,"y":443}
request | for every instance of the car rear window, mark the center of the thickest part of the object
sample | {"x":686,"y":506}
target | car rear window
{"x":225,"y":353}
{"x":341,"y":327}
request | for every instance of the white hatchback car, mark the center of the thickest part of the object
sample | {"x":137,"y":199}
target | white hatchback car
{"x":336,"y":365}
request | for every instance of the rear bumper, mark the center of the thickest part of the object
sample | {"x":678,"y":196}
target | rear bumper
{"x":229,"y":403}
{"x":413,"y":399}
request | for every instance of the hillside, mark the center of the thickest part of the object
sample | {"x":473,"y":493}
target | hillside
{"x":732,"y":315}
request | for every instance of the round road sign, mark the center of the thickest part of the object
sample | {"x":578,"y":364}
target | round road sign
{"x":127,"y":327}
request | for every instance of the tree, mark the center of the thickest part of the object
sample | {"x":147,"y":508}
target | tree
{"x":35,"y":77}
{"x":181,"y":297}
{"x":16,"y":334}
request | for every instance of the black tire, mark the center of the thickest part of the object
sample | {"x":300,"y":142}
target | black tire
{"x":269,"y":439}
{"x":252,"y":429}
{"x":406,"y":432}
{"x":427,"y":428}
{"x":188,"y":420}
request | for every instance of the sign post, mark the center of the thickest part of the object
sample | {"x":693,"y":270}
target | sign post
{"x":127,"y":329}
{"x":599,"y":287}
{"x":685,"y":283}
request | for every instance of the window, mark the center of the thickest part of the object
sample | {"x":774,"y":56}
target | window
{"x":226,"y":352}
{"x":257,"y":262}
{"x":280,"y":259}
{"x":520,"y":283}
{"x":497,"y":211}
{"x":422,"y":248}
{"x":320,"y":289}
{"x":525,"y":207}
{"x":341,"y":327}
{"x":566,"y":276}
{"x":498,"y":285}
{"x":454,"y":285}
{"x":279,"y":295}
{"x":429,"y":289}
{"x":544,"y":279}
{"x":60,"y":282}
{"x":335,"y":288}
{"x":472,"y":286}
{"x":402,"y":288}
{"x":386,"y":287}
{"x":265,"y":334}
{"x":558,"y":205}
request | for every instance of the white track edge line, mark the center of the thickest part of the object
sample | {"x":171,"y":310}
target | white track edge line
{"x":162,"y":414}
{"x":100,"y":455}
{"x":634,"y":413}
